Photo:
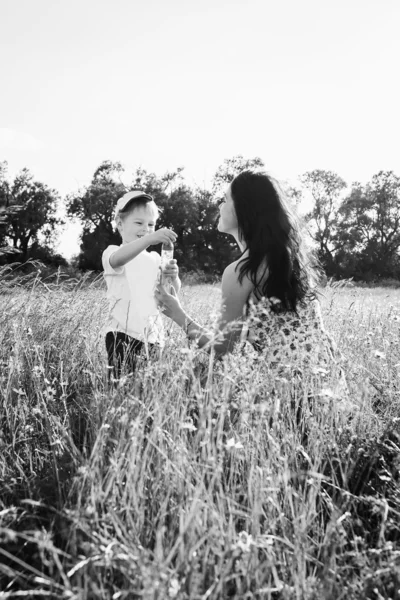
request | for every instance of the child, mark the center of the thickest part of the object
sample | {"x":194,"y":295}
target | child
{"x":131,"y":273}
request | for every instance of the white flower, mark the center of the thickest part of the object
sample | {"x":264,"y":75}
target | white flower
{"x":188,"y":426}
{"x":327,"y":392}
{"x":320,"y":370}
{"x":232,"y":444}
{"x":173,"y":588}
{"x":244,"y":542}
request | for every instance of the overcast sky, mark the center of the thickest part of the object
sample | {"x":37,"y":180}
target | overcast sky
{"x":162,"y":84}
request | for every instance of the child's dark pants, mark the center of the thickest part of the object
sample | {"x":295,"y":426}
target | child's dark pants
{"x":124,"y":352}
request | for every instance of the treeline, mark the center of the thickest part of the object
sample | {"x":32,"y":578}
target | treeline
{"x":355,"y":230}
{"x":28,"y":219}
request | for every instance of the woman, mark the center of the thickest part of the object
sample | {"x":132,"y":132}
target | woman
{"x":271,"y":286}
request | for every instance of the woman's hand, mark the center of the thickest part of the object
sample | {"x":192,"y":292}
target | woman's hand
{"x":169,"y":304}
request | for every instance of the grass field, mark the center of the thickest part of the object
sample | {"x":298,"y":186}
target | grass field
{"x":170,"y":488}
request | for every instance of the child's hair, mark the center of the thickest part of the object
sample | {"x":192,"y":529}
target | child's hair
{"x":131,"y":201}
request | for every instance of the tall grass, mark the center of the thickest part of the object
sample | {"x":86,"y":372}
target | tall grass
{"x":199,"y":479}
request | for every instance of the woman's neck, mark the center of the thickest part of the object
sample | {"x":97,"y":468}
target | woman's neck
{"x":240,"y":242}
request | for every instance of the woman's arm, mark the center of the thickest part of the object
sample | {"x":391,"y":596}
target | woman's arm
{"x":229,"y":327}
{"x":176,"y":284}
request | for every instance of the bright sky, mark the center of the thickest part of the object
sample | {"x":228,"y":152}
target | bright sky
{"x":162,"y":84}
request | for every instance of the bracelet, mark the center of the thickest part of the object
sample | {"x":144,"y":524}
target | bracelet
{"x":187,"y":326}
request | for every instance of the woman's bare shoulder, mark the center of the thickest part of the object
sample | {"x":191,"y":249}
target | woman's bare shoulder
{"x":234,"y":268}
{"x":232,"y":273}
{"x":233,"y":284}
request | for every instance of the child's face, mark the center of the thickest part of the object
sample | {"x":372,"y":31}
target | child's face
{"x":138,"y":222}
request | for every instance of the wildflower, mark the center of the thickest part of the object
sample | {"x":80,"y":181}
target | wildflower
{"x":174,"y":588}
{"x":327,"y":393}
{"x":123,"y":381}
{"x":19,"y":392}
{"x":8,"y":535}
{"x":244,"y":542}
{"x":188,"y":426}
{"x":232,"y":444}
{"x":320,"y":370}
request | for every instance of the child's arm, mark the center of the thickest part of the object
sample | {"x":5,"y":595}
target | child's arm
{"x":129,"y":251}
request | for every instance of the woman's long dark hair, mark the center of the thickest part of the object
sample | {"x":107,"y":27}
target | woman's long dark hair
{"x":271,"y":233}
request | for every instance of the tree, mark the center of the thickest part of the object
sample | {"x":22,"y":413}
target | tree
{"x":232,"y":167}
{"x":94,"y":207}
{"x":383,"y":195}
{"x":325,"y":188}
{"x":193,"y":215}
{"x":370,"y":229}
{"x":215,"y":250}
{"x":6,"y":211}
{"x":294,"y":194}
{"x":95,"y":204}
{"x":28,"y":214}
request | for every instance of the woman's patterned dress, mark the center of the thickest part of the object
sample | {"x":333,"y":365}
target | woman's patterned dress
{"x":294,"y":345}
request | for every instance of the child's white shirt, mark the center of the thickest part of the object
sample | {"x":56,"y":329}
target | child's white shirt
{"x":130,"y":291}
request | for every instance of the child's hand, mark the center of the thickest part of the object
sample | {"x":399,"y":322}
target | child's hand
{"x":170,"y":270}
{"x":162,"y":235}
